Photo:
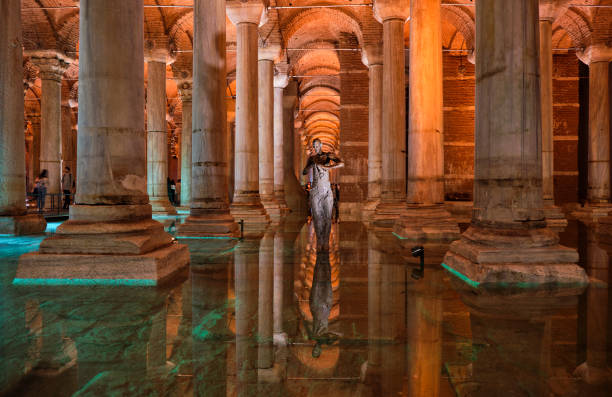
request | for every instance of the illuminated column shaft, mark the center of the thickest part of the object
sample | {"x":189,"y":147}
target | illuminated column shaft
{"x":185,"y":89}
{"x":157,"y":137}
{"x":209,"y":213}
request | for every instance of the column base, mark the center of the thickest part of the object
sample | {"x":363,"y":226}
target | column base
{"x":161,"y":205}
{"x":604,"y":232}
{"x":426,"y":223}
{"x":368,"y":210}
{"x":209,"y":225}
{"x":593,"y":375}
{"x":255,"y":217}
{"x":273,"y":208}
{"x":555,"y":218}
{"x":274,"y":375}
{"x":491,"y":256}
{"x":22,"y":225}
{"x":131,"y":252}
{"x":592,"y":211}
{"x":386,"y":214}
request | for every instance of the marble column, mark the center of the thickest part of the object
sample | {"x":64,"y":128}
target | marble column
{"x":266,"y":56}
{"x":280,"y":83}
{"x":393,"y":15}
{"x":52,"y":66}
{"x":110,"y":234}
{"x":550,"y":10}
{"x":247,"y":203}
{"x":185,"y":90}
{"x":425,"y":218}
{"x":13,"y":217}
{"x":209,"y":214}
{"x":508,"y":240}
{"x":598,"y":57}
{"x":372,"y":57}
{"x":157,"y":136}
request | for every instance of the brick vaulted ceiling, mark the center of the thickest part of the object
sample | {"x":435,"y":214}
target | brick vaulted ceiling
{"x":312,"y":39}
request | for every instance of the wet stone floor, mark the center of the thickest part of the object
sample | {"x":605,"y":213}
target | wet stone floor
{"x":268,"y":316}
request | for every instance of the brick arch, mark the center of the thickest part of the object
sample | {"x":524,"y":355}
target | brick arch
{"x":317,"y":23}
{"x":463,"y":21}
{"x":578,"y":26}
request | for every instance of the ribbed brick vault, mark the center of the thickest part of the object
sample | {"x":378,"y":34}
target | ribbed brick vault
{"x":319,"y":45}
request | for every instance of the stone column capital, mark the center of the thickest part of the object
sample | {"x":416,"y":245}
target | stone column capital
{"x":595,"y":53}
{"x":372,"y":55}
{"x":281,"y":80}
{"x":185,"y":88}
{"x":551,"y":10}
{"x":158,"y":54}
{"x":391,"y":9}
{"x":249,"y":11}
{"x":51,"y":65}
{"x":270,"y":52}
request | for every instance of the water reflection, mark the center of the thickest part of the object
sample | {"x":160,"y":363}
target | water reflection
{"x":271,"y":316}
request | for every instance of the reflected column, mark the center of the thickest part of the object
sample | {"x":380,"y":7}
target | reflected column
{"x":246,"y":265}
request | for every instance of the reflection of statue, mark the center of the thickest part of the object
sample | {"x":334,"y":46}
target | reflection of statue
{"x":321,"y":301}
{"x":321,"y":196}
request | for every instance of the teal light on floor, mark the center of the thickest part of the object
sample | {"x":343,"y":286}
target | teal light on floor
{"x":398,"y":236}
{"x":83,"y":282}
{"x":52,"y":226}
{"x":461,"y":276}
{"x":206,"y":238}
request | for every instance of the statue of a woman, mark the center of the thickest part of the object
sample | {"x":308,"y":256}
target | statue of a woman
{"x":321,"y":195}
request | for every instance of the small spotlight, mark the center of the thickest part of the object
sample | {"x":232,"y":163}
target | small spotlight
{"x":419,"y":252}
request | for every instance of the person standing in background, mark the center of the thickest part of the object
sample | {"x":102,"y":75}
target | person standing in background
{"x":67,"y":186}
{"x":41,"y":187}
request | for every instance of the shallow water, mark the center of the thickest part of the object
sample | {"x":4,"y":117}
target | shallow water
{"x":362,"y":321}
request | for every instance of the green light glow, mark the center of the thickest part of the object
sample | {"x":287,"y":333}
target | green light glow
{"x":400,"y":237}
{"x":206,"y":238}
{"x":84,"y":282}
{"x":461,"y":276}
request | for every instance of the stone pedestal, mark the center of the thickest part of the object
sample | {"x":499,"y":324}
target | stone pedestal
{"x":247,"y":205}
{"x":508,"y":241}
{"x":209,"y":214}
{"x":373,"y":58}
{"x":425,"y":218}
{"x":13,"y":218}
{"x":393,"y":15}
{"x":157,"y":136}
{"x":266,"y":56}
{"x":110,"y":234}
